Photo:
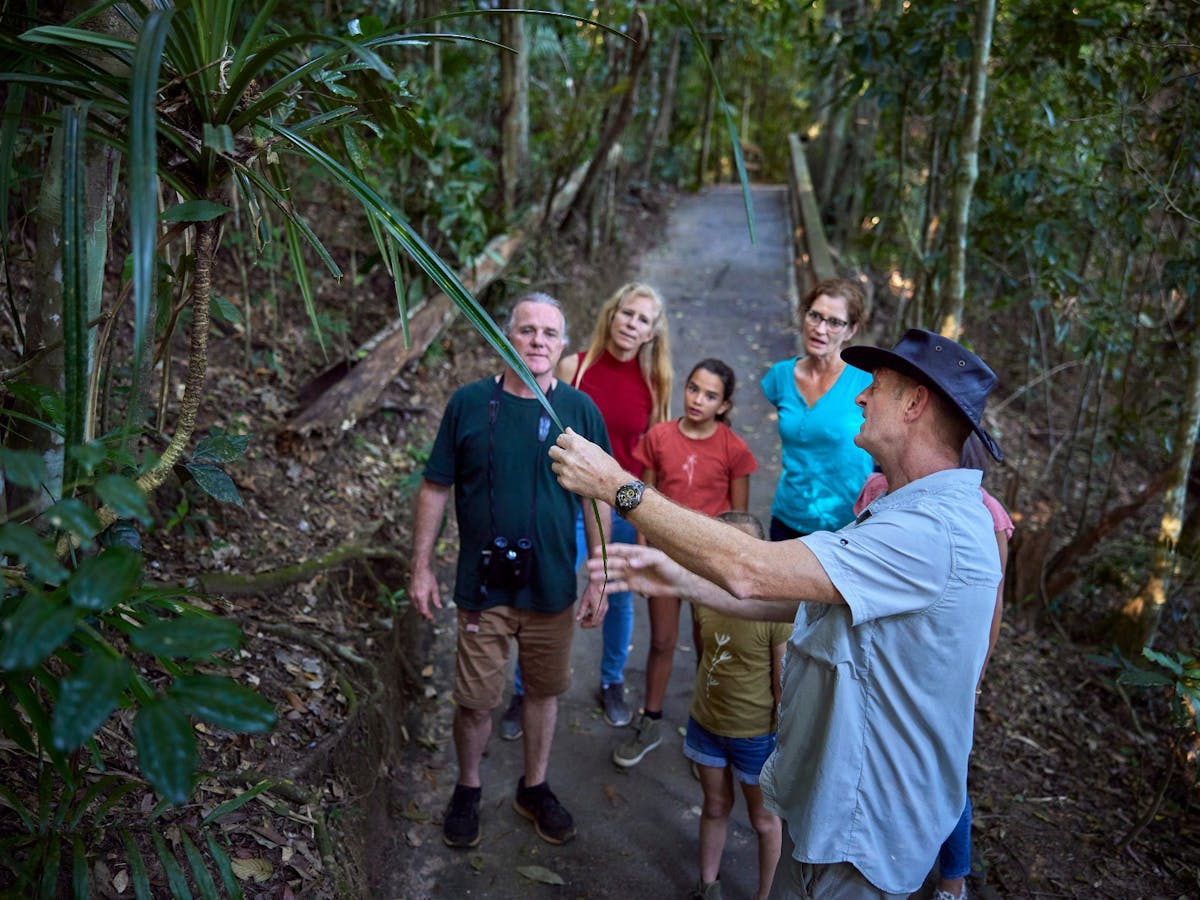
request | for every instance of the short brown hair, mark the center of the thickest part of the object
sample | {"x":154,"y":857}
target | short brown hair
{"x":846,"y":288}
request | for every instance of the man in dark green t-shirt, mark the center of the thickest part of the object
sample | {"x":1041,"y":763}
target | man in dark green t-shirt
{"x":516,"y":576}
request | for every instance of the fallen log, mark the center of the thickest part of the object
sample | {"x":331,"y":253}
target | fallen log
{"x":344,"y":402}
{"x":343,"y":394}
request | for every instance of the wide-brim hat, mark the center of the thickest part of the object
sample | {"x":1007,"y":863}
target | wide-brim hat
{"x":951,"y":369}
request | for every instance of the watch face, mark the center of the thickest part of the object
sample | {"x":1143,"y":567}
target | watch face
{"x":628,"y":495}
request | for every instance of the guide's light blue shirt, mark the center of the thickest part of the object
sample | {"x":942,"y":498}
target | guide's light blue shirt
{"x":878,"y":700}
{"x":822,"y":468}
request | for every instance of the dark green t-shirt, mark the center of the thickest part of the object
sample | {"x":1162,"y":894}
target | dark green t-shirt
{"x":460,"y":458}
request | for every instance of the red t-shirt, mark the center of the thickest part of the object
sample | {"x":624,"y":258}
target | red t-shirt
{"x":696,"y":473}
{"x":620,"y":391}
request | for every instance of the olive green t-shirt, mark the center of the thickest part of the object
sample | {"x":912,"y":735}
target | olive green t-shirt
{"x":733,"y":696}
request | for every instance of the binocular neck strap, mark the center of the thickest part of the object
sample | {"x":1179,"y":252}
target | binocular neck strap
{"x":543,"y":432}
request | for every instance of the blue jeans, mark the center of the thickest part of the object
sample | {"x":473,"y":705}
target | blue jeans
{"x":954,"y":859}
{"x":618,"y":623}
{"x":745,"y":755}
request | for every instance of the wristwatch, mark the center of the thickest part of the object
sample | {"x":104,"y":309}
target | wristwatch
{"x":629,"y":496}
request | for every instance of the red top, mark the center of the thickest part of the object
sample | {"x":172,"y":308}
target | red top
{"x":620,"y":391}
{"x":696,"y":473}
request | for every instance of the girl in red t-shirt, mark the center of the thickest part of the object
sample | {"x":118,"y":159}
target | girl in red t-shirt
{"x":697,"y":461}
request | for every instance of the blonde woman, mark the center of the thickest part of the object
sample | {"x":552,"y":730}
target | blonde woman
{"x":626,"y":370}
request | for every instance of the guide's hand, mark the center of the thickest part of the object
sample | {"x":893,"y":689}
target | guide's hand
{"x":583,"y":468}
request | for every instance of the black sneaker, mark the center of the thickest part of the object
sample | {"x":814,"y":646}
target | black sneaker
{"x":550,"y":819}
{"x":460,"y":828}
{"x":510,"y":723}
{"x":612,"y":700}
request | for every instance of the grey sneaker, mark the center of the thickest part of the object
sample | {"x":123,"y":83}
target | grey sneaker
{"x":706,"y":890}
{"x":647,"y":734}
{"x":510,"y":723}
{"x":612,"y":700}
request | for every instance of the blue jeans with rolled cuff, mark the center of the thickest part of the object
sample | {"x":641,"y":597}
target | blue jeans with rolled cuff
{"x":954,"y":859}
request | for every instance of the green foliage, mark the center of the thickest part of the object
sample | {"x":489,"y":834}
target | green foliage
{"x":1178,"y":676}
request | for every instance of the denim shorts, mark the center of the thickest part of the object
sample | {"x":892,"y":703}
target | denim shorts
{"x":746,"y":755}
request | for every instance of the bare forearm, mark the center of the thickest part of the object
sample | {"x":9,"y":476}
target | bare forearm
{"x":431,"y":507}
{"x":746,"y":567}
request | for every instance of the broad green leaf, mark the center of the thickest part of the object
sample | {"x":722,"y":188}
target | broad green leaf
{"x":26,"y":468}
{"x":35,"y":630}
{"x":220,"y":447}
{"x":166,"y":747}
{"x":29,"y":548}
{"x":104,"y":580}
{"x":223,"y":702}
{"x":1163,"y":660}
{"x":215,"y":482}
{"x":176,"y":880}
{"x":221,"y":308}
{"x":122,"y":533}
{"x":89,"y":455}
{"x":194,"y":211}
{"x":187,"y":636}
{"x":76,"y":517}
{"x":124,"y":496}
{"x":200,"y":874}
{"x":88,"y":697}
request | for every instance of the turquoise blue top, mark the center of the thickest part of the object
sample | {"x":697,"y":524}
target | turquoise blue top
{"x":822,"y":470}
{"x":876,"y":716}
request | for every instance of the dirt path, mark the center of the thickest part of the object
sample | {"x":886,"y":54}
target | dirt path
{"x":637,"y":828}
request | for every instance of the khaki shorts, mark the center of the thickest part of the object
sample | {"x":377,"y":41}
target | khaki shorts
{"x":543,"y":650}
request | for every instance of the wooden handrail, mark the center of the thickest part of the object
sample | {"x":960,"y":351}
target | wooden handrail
{"x":812,"y":258}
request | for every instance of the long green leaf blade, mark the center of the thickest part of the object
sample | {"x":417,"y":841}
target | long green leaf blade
{"x":237,"y":802}
{"x":200,"y":874}
{"x":423,"y":256}
{"x":224,"y":866}
{"x":143,"y":190}
{"x":79,"y":870}
{"x":137,"y":867}
{"x":175,"y":877}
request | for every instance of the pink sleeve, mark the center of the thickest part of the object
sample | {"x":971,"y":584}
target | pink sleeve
{"x":875,"y":485}
{"x":1000,"y":518}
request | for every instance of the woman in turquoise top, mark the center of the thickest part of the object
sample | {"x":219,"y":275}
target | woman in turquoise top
{"x":823,"y":470}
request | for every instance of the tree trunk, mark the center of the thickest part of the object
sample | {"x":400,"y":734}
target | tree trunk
{"x":514,"y":111}
{"x":968,"y":171}
{"x":666,"y":107}
{"x":1138,"y":621}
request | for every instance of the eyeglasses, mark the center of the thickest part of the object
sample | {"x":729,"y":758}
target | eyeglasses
{"x":815,"y":318}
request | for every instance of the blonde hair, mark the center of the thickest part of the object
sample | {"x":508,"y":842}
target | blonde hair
{"x":654,"y":356}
